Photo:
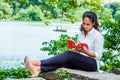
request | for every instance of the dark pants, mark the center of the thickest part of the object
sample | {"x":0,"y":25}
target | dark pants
{"x":70,"y":60}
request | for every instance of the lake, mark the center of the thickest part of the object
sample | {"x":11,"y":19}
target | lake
{"x":18,"y":39}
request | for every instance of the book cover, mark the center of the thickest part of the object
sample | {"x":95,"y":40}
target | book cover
{"x":72,"y":44}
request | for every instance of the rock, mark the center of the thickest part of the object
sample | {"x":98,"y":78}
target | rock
{"x":82,"y":75}
{"x":116,"y":71}
{"x":50,"y":76}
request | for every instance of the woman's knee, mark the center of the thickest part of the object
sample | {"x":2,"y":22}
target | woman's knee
{"x":67,"y":52}
{"x":70,"y":52}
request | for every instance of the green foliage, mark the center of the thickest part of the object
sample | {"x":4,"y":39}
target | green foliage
{"x":32,"y":13}
{"x":1,"y":15}
{"x":69,"y":8}
{"x":52,"y":9}
{"x":115,"y":6}
{"x":111,"y":56}
{"x":63,"y":75}
{"x":56,"y":47}
{"x":110,"y":61}
{"x":94,"y":5}
{"x":22,"y":15}
{"x":13,"y":73}
{"x":24,"y":1}
{"x":35,"y":13}
{"x":21,"y":1}
{"x":112,"y":35}
{"x":105,"y":13}
{"x":117,"y":16}
{"x":16,"y":7}
{"x":5,"y":10}
{"x":46,"y":22}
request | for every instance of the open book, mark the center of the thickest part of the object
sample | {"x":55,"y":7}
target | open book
{"x":72,"y":44}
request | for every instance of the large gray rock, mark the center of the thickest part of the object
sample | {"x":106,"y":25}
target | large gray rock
{"x":83,"y":75}
{"x":116,"y":71}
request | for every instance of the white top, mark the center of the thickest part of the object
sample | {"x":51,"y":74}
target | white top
{"x":95,"y":42}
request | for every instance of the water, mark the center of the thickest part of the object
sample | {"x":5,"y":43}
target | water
{"x":18,"y":39}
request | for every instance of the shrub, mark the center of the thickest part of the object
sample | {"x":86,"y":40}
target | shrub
{"x":5,"y":8}
{"x":1,"y":15}
{"x":32,"y":13}
{"x":13,"y":73}
{"x":56,"y":47}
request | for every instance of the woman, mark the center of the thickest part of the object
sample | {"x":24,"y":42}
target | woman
{"x":87,"y":60}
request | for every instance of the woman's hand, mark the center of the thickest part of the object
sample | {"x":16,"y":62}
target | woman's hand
{"x":92,"y":54}
{"x":79,"y":49}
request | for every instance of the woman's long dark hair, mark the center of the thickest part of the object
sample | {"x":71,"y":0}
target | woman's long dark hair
{"x":93,"y":17}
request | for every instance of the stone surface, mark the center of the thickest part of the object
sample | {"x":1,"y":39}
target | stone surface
{"x":116,"y":71}
{"x":50,"y":76}
{"x":83,"y":75}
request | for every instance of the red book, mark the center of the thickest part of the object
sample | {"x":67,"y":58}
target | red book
{"x":72,"y":44}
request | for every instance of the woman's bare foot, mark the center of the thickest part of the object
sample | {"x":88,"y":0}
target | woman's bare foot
{"x":29,"y":67}
{"x":36,"y":70}
{"x":35,"y":62}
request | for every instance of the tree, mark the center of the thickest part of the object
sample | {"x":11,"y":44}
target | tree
{"x":53,"y":9}
{"x":114,"y":6}
{"x":117,"y":16}
{"x":5,"y":10}
{"x":1,"y":15}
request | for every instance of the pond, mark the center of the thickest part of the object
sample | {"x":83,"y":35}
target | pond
{"x":18,"y":39}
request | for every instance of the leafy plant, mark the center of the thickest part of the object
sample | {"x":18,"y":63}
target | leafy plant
{"x":56,"y":47}
{"x":63,"y":75}
{"x":16,"y":73}
{"x":112,"y":35}
{"x":5,"y":10}
{"x":111,"y":55}
{"x":1,"y":15}
{"x":13,"y":73}
{"x":110,"y":61}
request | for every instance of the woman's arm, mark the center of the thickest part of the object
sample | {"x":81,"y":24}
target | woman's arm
{"x":98,"y":48}
{"x":91,"y":54}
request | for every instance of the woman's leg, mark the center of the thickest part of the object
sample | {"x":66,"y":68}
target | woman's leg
{"x":49,"y":68}
{"x":52,"y":68}
{"x":58,"y":60}
{"x":55,"y":62}
{"x":81,"y":62}
{"x":72,"y":59}
{"x":51,"y":63}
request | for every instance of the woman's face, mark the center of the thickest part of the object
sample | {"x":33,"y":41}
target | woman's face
{"x":87,"y":24}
